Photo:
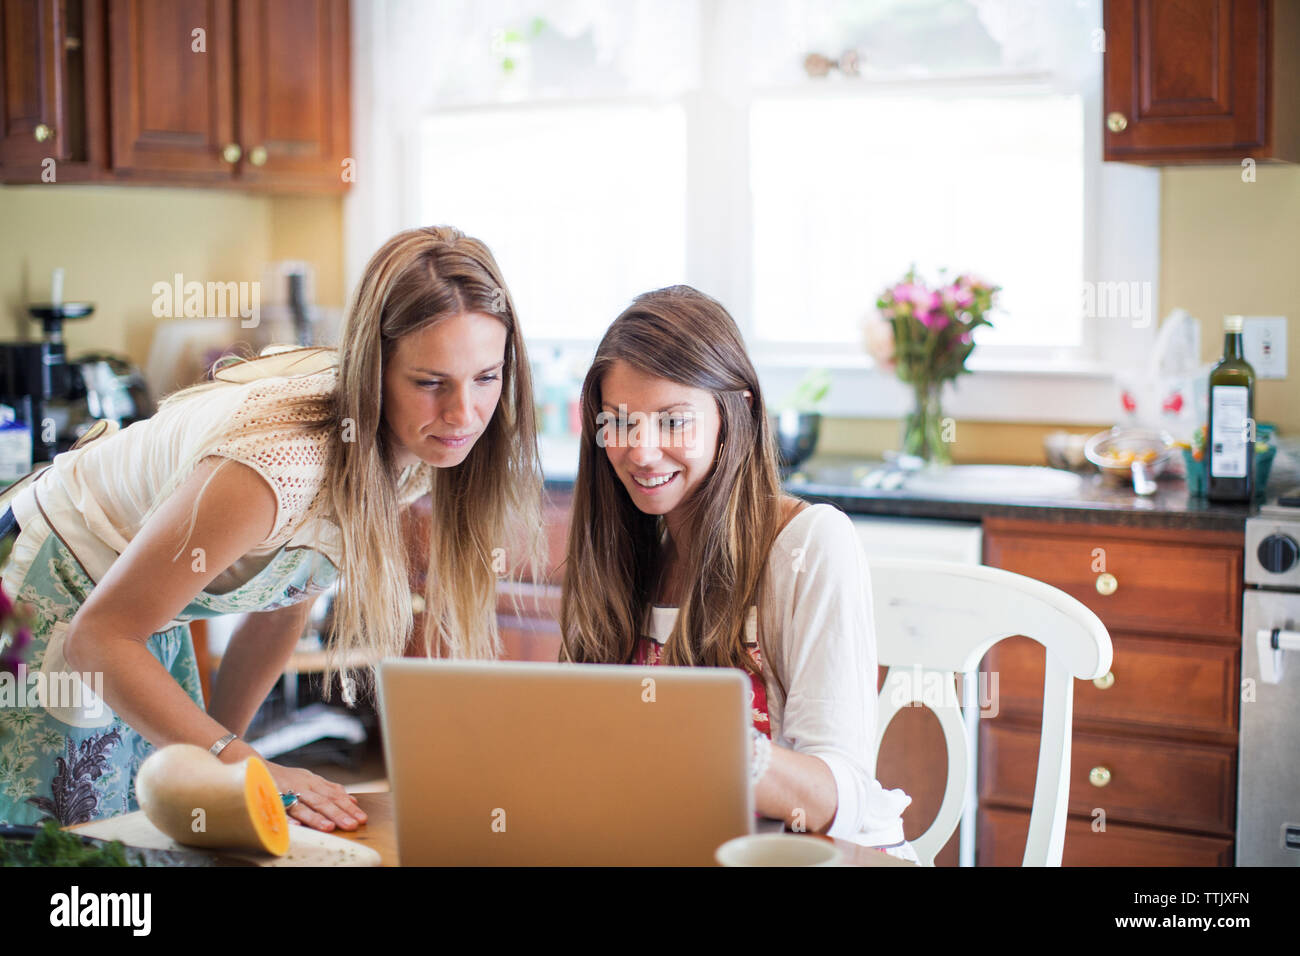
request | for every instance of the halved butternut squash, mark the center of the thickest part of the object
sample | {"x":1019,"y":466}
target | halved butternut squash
{"x":195,"y":799}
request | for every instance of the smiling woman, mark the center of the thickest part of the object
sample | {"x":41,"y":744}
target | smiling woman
{"x":252,"y":493}
{"x":684,"y":551}
{"x":661,"y":460}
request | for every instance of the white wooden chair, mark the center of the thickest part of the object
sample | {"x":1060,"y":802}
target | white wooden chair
{"x":935,"y":619}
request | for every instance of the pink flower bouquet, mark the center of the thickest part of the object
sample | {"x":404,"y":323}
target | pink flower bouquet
{"x":924,"y":336}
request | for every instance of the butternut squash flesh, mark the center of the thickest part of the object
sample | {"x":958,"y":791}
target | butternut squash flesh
{"x":197,"y":800}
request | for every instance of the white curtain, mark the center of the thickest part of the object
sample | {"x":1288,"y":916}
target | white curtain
{"x":411,"y":58}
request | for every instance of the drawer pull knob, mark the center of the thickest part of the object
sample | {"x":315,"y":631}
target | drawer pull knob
{"x":1099,"y":776}
{"x":1116,"y":122}
{"x":231,"y":153}
{"x":43,"y":133}
{"x":1105,"y":681}
{"x":1106,"y":583}
{"x":257,"y":155}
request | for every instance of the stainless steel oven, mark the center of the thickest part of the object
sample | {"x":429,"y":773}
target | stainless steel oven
{"x":1268,"y":773}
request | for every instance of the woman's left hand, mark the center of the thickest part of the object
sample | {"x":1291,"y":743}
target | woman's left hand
{"x":322,"y":804}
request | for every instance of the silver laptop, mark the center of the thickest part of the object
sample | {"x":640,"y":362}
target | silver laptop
{"x":523,"y":764}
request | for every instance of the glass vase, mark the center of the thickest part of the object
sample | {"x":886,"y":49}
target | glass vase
{"x":923,"y":428}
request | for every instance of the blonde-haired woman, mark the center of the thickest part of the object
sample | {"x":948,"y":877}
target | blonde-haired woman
{"x":251,"y":493}
{"x":684,"y":551}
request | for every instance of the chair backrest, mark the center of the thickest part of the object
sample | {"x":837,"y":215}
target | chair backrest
{"x":936,"y":619}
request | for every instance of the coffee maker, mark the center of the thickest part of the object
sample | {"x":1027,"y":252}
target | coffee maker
{"x":36,"y":380}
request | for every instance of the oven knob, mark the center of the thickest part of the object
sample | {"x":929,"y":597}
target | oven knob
{"x":1278,"y":553}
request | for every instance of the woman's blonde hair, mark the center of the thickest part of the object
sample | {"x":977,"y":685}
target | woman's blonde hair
{"x":483,"y":510}
{"x":615,"y":552}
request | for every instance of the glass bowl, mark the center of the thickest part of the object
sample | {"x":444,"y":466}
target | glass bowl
{"x":1114,"y":451}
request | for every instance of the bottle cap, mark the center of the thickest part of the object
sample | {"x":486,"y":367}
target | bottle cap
{"x":1232,"y":323}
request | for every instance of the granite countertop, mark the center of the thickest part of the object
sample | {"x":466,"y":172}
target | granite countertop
{"x":837,"y":481}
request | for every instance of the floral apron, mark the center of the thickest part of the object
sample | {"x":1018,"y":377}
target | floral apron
{"x":78,"y":763}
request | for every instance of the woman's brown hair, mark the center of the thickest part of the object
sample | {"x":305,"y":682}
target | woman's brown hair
{"x":486,"y":510}
{"x":615,"y":550}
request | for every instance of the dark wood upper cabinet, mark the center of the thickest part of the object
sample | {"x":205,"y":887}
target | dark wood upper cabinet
{"x":1202,"y":81}
{"x":293,"y":91}
{"x":172,"y":69}
{"x":32,"y":34}
{"x":235,"y":93}
{"x":52,"y":107}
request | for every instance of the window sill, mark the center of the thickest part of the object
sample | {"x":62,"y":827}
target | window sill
{"x":1045,"y":362}
{"x":1065,"y":393}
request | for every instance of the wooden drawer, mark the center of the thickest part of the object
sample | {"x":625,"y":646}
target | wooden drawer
{"x":1002,"y":835}
{"x":528,"y":617}
{"x":1189,"y":786}
{"x":1157,"y":683}
{"x":557,"y":507}
{"x":523,"y":599}
{"x":1163,"y":583}
{"x":529,"y":640}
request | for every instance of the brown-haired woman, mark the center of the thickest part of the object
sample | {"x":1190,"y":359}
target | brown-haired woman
{"x":249,"y":494}
{"x":683,"y":550}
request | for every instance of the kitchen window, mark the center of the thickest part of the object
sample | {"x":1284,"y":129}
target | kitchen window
{"x":849,"y":191}
{"x":603,"y":149}
{"x":582,"y":205}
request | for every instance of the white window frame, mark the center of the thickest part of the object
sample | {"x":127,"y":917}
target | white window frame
{"x":1121,"y":242}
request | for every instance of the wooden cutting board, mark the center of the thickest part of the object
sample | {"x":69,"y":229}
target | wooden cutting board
{"x":307,"y":847}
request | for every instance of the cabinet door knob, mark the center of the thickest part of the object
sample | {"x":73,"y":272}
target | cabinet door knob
{"x":1116,"y":122}
{"x":1106,"y":583}
{"x":231,"y":153}
{"x":1105,"y":681}
{"x":43,"y":132}
{"x":1099,"y":776}
{"x":257,"y":155}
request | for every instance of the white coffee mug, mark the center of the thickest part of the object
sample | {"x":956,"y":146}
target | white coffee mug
{"x":778,"y":849}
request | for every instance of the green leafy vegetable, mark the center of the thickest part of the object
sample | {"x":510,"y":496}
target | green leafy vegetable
{"x":55,"y":847}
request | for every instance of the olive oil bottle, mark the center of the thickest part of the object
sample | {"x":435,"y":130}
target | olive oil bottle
{"x":1230,"y":437}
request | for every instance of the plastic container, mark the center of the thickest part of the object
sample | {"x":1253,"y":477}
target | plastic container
{"x":1263,"y":465}
{"x":15,"y":447}
{"x":1196,"y":472}
{"x":1113,"y":452}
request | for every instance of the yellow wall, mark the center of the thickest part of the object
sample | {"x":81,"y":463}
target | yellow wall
{"x":976,"y":442}
{"x":115,"y":242}
{"x":1232,"y":247}
{"x":311,"y":228}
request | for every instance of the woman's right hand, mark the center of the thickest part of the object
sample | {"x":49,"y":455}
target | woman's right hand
{"x":322,"y":805}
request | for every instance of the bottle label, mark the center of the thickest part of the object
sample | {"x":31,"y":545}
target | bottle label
{"x":1228,"y":443}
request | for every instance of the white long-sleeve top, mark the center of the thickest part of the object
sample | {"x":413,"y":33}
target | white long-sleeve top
{"x":820,"y":635}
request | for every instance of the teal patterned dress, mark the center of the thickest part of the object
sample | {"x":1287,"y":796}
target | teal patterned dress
{"x":79,"y":764}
